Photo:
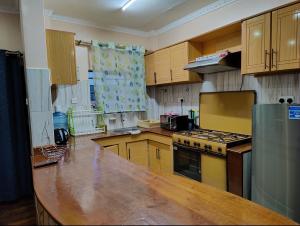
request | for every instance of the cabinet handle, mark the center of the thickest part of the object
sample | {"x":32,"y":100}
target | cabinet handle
{"x":155,"y":80}
{"x":266,"y":55}
{"x":158,"y":153}
{"x":171,"y":72}
{"x":129,"y":153}
{"x":274,"y":53}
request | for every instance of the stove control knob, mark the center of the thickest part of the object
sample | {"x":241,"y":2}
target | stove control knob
{"x":179,"y":141}
{"x":205,"y":147}
{"x":209,"y":147}
{"x":197,"y":144}
{"x":219,"y":149}
{"x":188,"y":142}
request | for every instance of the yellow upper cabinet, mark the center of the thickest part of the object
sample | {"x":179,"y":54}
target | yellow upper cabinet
{"x":256,"y":34}
{"x":150,"y":72}
{"x":286,"y":38}
{"x":61,"y":56}
{"x":166,"y":66}
{"x":162,"y":66}
{"x":179,"y":59}
{"x":271,"y":42}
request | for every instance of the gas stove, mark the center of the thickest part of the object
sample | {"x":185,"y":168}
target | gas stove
{"x":212,"y":141}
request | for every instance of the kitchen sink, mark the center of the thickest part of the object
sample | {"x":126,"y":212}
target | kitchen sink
{"x":124,"y":130}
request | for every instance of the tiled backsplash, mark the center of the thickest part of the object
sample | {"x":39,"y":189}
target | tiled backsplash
{"x":81,"y":92}
{"x":165,"y":98}
{"x":268,"y":88}
{"x":40,"y":106}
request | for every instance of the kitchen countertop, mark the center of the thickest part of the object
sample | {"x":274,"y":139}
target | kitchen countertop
{"x":93,"y":186}
{"x":157,"y":130}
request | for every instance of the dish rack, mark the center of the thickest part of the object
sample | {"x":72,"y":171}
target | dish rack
{"x":85,"y":122}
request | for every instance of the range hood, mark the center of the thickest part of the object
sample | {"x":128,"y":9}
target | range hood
{"x":220,"y":62}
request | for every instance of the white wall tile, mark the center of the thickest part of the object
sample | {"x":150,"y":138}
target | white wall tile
{"x":268,"y":88}
{"x":39,"y":121}
{"x":165,"y":98}
{"x":40,"y":106}
{"x":38,"y":88}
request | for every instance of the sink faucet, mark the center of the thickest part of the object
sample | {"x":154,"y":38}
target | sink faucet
{"x":122,"y":119}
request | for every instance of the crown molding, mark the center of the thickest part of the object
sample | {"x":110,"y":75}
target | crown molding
{"x":87,"y":23}
{"x":203,"y":11}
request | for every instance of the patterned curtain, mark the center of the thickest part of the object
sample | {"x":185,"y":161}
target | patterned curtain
{"x":119,"y":77}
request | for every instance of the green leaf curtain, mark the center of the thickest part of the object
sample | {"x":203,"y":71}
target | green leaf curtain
{"x":119,"y":77}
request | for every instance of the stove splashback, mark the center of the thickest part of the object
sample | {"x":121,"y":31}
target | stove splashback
{"x":227,"y":111}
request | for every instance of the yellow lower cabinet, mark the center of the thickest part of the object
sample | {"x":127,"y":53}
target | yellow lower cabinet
{"x":154,"y":162}
{"x":113,"y":148}
{"x":213,"y":170}
{"x":165,"y":157}
{"x":138,"y":152}
{"x":160,"y":157}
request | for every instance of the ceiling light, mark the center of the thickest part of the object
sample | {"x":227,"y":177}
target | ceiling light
{"x":128,"y":3}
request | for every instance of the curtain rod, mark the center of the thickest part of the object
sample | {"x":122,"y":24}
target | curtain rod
{"x":82,"y":43}
{"x":89,"y":44}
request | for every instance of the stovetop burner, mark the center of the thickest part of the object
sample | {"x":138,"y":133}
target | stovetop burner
{"x":215,"y":136}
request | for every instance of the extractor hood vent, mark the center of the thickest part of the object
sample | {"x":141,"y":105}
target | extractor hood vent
{"x":220,"y":62}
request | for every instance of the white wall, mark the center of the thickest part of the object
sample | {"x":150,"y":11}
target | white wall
{"x":231,"y":13}
{"x":37,"y":73}
{"x":87,"y":33}
{"x":10,"y":37}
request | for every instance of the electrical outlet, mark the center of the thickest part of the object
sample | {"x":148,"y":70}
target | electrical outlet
{"x":286,"y":99}
{"x":74,"y":100}
{"x":181,"y":99}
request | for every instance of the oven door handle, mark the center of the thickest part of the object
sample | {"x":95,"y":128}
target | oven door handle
{"x":183,"y":147}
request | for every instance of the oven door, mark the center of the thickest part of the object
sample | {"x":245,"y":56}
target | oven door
{"x":187,"y":161}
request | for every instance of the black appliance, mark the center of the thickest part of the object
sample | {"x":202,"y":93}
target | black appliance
{"x":61,"y":136}
{"x":187,"y":161}
{"x":174,"y":122}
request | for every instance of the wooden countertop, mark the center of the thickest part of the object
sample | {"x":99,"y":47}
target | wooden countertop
{"x":93,"y":186}
{"x":157,"y":130}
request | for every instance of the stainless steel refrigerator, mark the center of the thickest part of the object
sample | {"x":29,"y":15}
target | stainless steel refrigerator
{"x":276,"y":158}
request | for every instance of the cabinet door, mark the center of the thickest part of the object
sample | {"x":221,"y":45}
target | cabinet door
{"x":256,"y":39}
{"x":154,"y":163}
{"x":286,"y":38}
{"x":162,"y":66}
{"x":138,"y":152}
{"x":165,"y":157}
{"x":113,"y":148}
{"x":178,"y":60}
{"x":150,"y":72}
{"x":213,"y":171}
{"x":61,"y":57}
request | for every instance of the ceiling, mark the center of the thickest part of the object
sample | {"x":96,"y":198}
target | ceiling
{"x":9,"y":5}
{"x":142,"y":15}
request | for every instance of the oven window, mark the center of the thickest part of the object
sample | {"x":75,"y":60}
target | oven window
{"x":187,"y":162}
